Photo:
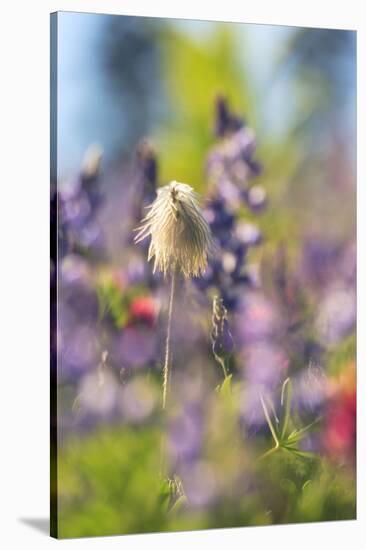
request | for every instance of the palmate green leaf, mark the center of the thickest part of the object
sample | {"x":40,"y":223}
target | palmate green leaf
{"x":178,"y":505}
{"x":165,"y":494}
{"x":283,"y":441}
{"x":298,"y":452}
{"x":297,"y":435}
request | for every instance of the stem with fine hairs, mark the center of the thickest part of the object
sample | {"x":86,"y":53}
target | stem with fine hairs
{"x":168,"y":353}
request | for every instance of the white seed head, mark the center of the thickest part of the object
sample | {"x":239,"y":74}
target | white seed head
{"x":180,"y":236}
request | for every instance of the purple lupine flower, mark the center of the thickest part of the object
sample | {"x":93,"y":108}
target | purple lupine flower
{"x":221,"y":337}
{"x":78,"y":203}
{"x":230,"y":167}
{"x":225,"y":121}
{"x":147,"y":166}
{"x":256,"y":198}
{"x":145,"y":177}
{"x":90,"y":175}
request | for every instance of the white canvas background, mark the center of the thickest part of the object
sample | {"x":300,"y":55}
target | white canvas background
{"x":24,"y":242}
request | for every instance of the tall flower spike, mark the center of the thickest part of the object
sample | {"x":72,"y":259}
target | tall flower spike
{"x":221,"y":337}
{"x":180,"y":236}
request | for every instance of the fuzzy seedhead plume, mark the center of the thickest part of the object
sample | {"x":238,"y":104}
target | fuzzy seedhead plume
{"x":180,"y":236}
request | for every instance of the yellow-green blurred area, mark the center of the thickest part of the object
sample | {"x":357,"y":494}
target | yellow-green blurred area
{"x":121,"y":79}
{"x":111,"y":482}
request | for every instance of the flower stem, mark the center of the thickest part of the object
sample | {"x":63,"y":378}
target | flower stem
{"x":222,"y":363}
{"x":272,"y":450}
{"x":168,"y":353}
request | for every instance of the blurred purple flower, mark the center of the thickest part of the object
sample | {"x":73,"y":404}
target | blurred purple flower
{"x":200,"y":484}
{"x":78,"y":202}
{"x":251,"y":409}
{"x":225,"y":121}
{"x":310,"y":389}
{"x":76,"y":287}
{"x":135,"y":347}
{"x":137,"y":400}
{"x":248,"y":234}
{"x":264,"y":363}
{"x":98,"y":395}
{"x":78,"y":348}
{"x":185,"y":434}
{"x":256,"y":198}
{"x":336,"y":316}
{"x":256,"y":319}
{"x":320,"y":258}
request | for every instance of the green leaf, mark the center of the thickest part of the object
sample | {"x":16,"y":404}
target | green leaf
{"x":286,"y":397}
{"x":178,"y":504}
{"x":225,"y":388}
{"x":297,"y":452}
{"x":297,"y":435}
{"x":269,"y":421}
{"x":306,"y":484}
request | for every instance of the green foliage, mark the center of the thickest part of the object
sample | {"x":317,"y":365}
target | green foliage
{"x":296,"y":490}
{"x":110,"y":484}
{"x":111,"y":481}
{"x":186,"y":132}
{"x":329,"y":495}
{"x":225,"y":389}
{"x":283,"y":438}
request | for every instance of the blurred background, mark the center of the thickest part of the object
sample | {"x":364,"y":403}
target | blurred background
{"x":261,"y":121}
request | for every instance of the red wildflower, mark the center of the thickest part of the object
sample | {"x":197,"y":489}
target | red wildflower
{"x":340,"y":428}
{"x":142,"y":310}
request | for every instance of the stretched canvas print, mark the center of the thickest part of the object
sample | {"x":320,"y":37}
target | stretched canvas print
{"x":203,"y":275}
